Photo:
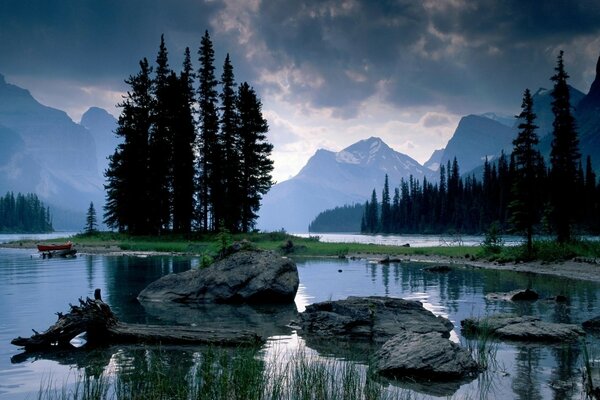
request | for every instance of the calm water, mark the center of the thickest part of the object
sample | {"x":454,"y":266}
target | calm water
{"x":32,"y":290}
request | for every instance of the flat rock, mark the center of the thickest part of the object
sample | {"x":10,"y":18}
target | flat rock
{"x":521,"y":328}
{"x":243,"y":277}
{"x":425,"y":356}
{"x":371,"y":318}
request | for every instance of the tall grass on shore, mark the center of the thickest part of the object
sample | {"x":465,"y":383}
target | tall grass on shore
{"x":219,"y":374}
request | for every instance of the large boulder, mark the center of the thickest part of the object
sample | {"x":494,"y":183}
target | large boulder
{"x":373,"y":318}
{"x":243,"y":277}
{"x":428,"y":356}
{"x":521,"y":328}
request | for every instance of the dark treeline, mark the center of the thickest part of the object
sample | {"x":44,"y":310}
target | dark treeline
{"x":340,"y":219}
{"x":470,"y":205}
{"x":518,"y":192}
{"x":192,"y":158}
{"x":24,"y":213}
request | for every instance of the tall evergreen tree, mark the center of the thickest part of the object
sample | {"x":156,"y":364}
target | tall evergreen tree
{"x":209,"y":149}
{"x":127,"y":175}
{"x":229,"y":139}
{"x":160,"y":146}
{"x":184,"y":139}
{"x":525,"y":202}
{"x":254,"y":150}
{"x":386,"y":207}
{"x":373,"y":216}
{"x":91,"y":221}
{"x":564,"y":155}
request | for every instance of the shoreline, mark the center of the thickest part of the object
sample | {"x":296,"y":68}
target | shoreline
{"x":571,"y":269}
{"x":580,"y":269}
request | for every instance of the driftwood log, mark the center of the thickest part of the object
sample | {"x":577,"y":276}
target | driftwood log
{"x":96,"y":319}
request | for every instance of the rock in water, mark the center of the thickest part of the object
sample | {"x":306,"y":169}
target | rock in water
{"x":592,"y":324}
{"x":429,"y":356}
{"x":243,"y":277}
{"x":524,"y":328}
{"x":371,"y":318}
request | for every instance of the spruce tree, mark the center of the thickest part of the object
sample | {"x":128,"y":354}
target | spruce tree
{"x":91,"y":222}
{"x":127,"y":175}
{"x":229,"y":143}
{"x":209,"y":149}
{"x":373,"y":216}
{"x":184,"y":139}
{"x":386,"y":207}
{"x":564,"y":156}
{"x":525,"y":204}
{"x":160,"y":146}
{"x":254,"y":151}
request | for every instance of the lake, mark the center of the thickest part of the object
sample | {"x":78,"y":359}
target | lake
{"x":32,"y":290}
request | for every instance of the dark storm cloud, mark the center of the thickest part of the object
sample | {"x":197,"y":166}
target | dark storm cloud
{"x":93,"y":40}
{"x":468,"y":56}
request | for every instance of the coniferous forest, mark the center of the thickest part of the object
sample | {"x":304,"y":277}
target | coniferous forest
{"x":24,"y":213}
{"x":194,"y":155}
{"x":521,"y":193}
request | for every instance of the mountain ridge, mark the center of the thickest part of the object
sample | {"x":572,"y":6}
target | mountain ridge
{"x":332,"y":179}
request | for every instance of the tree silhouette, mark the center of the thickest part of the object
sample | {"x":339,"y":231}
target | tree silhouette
{"x":209,"y":149}
{"x":91,"y":222}
{"x":525,"y":201}
{"x":564,"y":156}
{"x":254,"y":152}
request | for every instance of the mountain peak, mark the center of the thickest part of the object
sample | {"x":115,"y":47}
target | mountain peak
{"x":591,"y":101}
{"x":2,"y":80}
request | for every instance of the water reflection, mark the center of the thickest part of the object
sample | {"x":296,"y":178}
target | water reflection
{"x":32,"y":290}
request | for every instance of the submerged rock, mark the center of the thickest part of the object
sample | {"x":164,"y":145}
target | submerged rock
{"x":515,"y":295}
{"x":245,"y":276}
{"x":425,"y":356}
{"x":371,"y":318}
{"x":592,"y":324}
{"x":524,"y":328}
{"x":438,"y":268}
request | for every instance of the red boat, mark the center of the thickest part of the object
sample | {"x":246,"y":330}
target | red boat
{"x":55,"y":247}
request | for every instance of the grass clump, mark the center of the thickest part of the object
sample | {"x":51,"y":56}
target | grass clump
{"x":548,"y":251}
{"x":220,"y":374}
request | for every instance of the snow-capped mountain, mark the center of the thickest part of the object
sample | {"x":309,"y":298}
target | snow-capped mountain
{"x":332,"y":179}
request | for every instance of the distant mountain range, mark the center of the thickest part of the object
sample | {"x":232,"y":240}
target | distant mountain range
{"x":43,"y":151}
{"x":332,"y":179}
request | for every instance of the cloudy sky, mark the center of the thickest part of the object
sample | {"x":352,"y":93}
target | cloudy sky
{"x":329,"y":72}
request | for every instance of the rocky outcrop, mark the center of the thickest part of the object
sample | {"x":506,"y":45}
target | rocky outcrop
{"x":243,"y":277}
{"x":524,"y":328}
{"x":428,"y":356}
{"x":373,"y":318}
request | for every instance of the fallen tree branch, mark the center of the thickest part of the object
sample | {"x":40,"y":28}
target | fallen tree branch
{"x":96,"y":319}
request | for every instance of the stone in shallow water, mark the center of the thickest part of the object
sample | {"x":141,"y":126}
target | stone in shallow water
{"x":592,"y":324}
{"x":521,"y":328}
{"x":243,"y":277}
{"x":425,"y":356}
{"x":372,"y":318}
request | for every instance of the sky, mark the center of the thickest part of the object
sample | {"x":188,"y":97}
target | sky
{"x":329,"y":72}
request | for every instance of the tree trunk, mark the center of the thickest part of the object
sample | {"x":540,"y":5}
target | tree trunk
{"x":102,"y":327}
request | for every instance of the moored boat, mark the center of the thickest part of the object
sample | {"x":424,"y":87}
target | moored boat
{"x":55,"y":247}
